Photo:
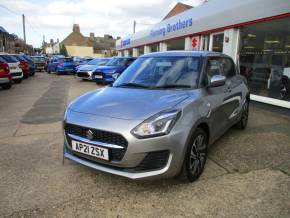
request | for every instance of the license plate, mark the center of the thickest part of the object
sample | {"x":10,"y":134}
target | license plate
{"x":91,"y":150}
{"x":68,"y":69}
{"x":99,"y":77}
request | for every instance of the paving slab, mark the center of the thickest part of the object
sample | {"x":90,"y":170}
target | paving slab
{"x":34,"y":129}
{"x":263,"y":193}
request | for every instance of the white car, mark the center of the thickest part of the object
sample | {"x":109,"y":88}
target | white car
{"x":15,"y":70}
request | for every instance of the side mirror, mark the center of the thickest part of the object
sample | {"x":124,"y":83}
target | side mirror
{"x":217,"y":80}
{"x":115,"y":76}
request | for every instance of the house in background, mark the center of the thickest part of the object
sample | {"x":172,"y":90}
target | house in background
{"x":177,"y":9}
{"x":77,"y":44}
{"x":11,"y":43}
{"x":52,"y":47}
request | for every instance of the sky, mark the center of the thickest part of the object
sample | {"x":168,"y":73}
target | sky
{"x":54,"y":19}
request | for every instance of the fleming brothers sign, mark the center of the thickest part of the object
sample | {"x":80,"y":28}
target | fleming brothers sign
{"x":181,"y":24}
{"x":125,"y":42}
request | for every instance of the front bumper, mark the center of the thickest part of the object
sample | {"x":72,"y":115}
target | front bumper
{"x":17,"y":75}
{"x":4,"y":80}
{"x":137,"y":150}
{"x":102,"y":77}
{"x":83,"y":75}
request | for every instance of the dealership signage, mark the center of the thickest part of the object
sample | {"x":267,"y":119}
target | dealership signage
{"x":171,"y":27}
{"x":195,"y":42}
{"x":125,"y":42}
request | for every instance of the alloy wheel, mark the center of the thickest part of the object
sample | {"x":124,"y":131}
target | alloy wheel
{"x":197,"y":155}
{"x":283,"y":92}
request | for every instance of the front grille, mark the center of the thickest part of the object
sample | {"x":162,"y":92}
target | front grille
{"x":102,"y":136}
{"x":153,"y":161}
{"x":83,"y":74}
{"x":98,"y":73}
{"x":16,"y":74}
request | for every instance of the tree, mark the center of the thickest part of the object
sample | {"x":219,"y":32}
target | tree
{"x":63,"y":50}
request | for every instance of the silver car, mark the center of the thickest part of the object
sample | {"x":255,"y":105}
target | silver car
{"x":159,"y":117}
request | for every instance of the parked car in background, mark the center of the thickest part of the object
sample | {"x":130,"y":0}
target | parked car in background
{"x":81,"y":60}
{"x":61,"y":66}
{"x":5,"y":76}
{"x":66,"y":66}
{"x":159,"y":117}
{"x":85,"y":71}
{"x":23,"y":64}
{"x":40,"y":62}
{"x":104,"y":74}
{"x":51,"y":65}
{"x":15,"y":70}
{"x":30,"y":63}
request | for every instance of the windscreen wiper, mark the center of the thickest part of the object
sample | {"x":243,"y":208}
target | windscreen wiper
{"x":172,"y":86}
{"x":132,"y":85}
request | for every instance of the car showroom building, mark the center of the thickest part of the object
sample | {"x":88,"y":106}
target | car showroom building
{"x":255,"y":33}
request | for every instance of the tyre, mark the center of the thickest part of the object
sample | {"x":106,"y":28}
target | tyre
{"x":243,"y":122}
{"x":195,"y":156}
{"x":6,"y":85}
{"x":285,"y":89}
{"x":17,"y":81}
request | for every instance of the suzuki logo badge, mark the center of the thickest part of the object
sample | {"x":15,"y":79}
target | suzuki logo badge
{"x":90,"y":134}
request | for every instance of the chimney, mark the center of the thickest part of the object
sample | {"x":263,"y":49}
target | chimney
{"x":57,"y":40}
{"x":107,"y":36}
{"x":92,"y":35}
{"x":51,"y":41}
{"x":76,"y":28}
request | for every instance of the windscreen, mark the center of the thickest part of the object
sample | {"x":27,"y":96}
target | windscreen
{"x":38,"y":59}
{"x":161,"y":72}
{"x":98,"y":61}
{"x":9,"y":59}
{"x":117,"y":62}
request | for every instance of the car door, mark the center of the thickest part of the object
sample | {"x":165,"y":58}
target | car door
{"x":214,"y":97}
{"x":233,"y":95}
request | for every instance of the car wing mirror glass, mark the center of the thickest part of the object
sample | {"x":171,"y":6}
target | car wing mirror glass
{"x":217,"y":80}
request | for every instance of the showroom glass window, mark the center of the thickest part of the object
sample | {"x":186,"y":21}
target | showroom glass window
{"x":265,"y":58}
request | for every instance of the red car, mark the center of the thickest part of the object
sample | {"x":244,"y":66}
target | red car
{"x":23,"y":64}
{"x":5,"y":76}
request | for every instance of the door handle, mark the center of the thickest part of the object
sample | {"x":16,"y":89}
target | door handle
{"x":228,"y":89}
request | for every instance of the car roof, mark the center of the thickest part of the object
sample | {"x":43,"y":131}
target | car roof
{"x":124,"y":57}
{"x":184,"y":53}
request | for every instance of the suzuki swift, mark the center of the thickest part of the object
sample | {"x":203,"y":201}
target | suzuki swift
{"x":158,"y":119}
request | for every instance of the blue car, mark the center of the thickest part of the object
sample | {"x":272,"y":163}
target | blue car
{"x":61,"y":66}
{"x":104,"y":74}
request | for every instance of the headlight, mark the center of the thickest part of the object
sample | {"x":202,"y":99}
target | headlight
{"x":157,"y":125}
